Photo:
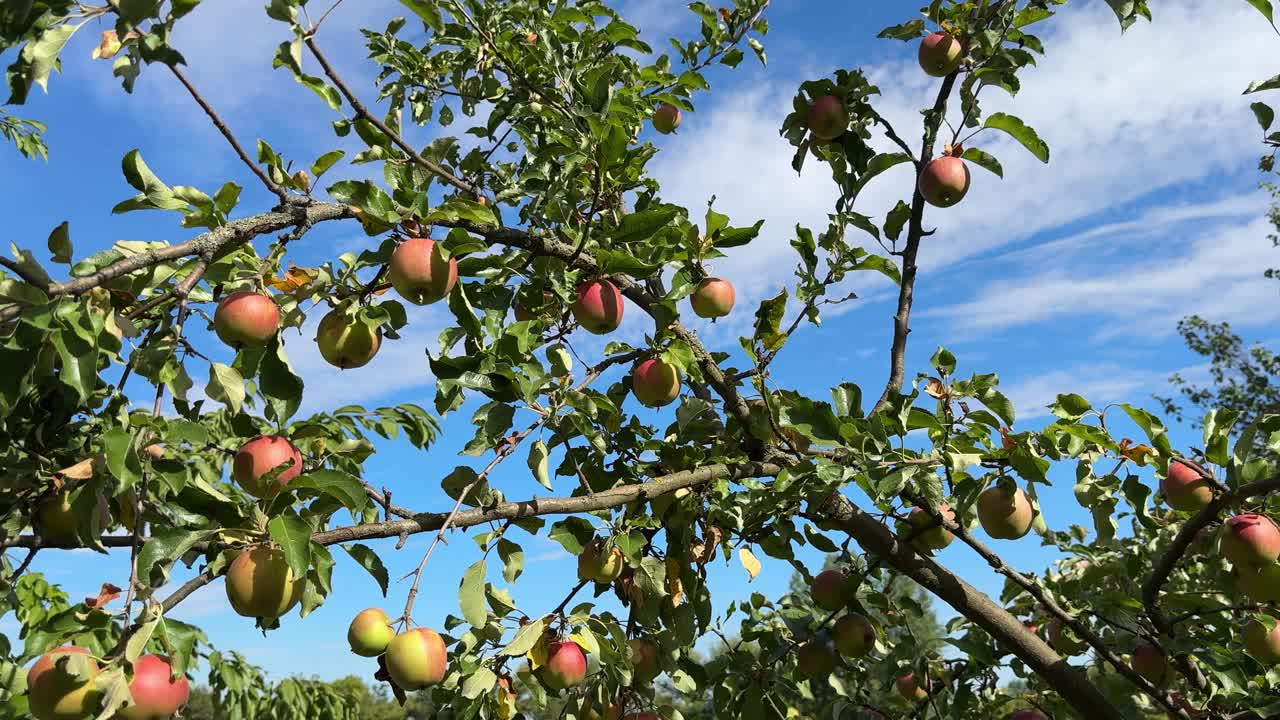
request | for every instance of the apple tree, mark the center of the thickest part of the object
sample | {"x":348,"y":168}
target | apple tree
{"x":539,"y":227}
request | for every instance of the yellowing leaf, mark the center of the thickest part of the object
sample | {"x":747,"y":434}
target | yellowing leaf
{"x":294,"y":278}
{"x":749,"y":562}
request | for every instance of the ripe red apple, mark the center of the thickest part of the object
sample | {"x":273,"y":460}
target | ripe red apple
{"x":260,"y":583}
{"x":599,"y":307}
{"x":246,"y":319}
{"x":56,"y":694}
{"x":260,"y":456}
{"x":1185,"y":488}
{"x":936,"y":537}
{"x":945,"y":181}
{"x":828,"y":118}
{"x":666,"y":118}
{"x":416,"y":659}
{"x":1261,"y":584}
{"x":566,"y":665}
{"x":713,"y":298}
{"x":1262,"y":641}
{"x":940,"y":54}
{"x":346,"y":344}
{"x":854,"y":635}
{"x":1063,"y":640}
{"x":1250,"y":539}
{"x":815,"y":660}
{"x":1028,"y":715}
{"x":370,"y":632}
{"x":420,"y":273}
{"x":830,"y":590}
{"x":911,"y":690}
{"x":655,"y":383}
{"x":597,"y":565}
{"x":56,"y":521}
{"x":1150,"y":663}
{"x":644,"y":658}
{"x":156,"y":695}
{"x":1005,"y":515}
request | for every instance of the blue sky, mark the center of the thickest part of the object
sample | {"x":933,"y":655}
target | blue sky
{"x":1066,"y":277}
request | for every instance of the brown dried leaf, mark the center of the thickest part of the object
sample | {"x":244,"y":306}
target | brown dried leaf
{"x":108,"y":593}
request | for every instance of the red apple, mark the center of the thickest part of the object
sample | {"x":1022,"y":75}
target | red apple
{"x":416,"y":659}
{"x":830,"y":590}
{"x":828,"y":118}
{"x":1262,"y":641}
{"x":911,"y":690}
{"x":156,"y":695}
{"x":420,"y":273}
{"x":566,"y":665}
{"x":599,"y":566}
{"x":655,"y":383}
{"x":940,"y":54}
{"x":260,"y":584}
{"x":347,"y":343}
{"x":370,"y":632}
{"x":260,"y":456}
{"x":246,"y":319}
{"x":599,"y":307}
{"x":713,"y":298}
{"x":1250,"y":539}
{"x":854,"y":635}
{"x":815,"y":660}
{"x":1185,"y":488}
{"x":936,"y":537}
{"x":945,"y":181}
{"x":1150,"y":663}
{"x":644,"y":658}
{"x":1005,"y":515}
{"x":56,"y":694}
{"x":666,"y":118}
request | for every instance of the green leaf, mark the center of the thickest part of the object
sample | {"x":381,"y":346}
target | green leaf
{"x":983,"y":160}
{"x":525,"y":638}
{"x":1269,"y":84}
{"x":877,"y":165}
{"x":226,"y":386}
{"x":538,"y":463}
{"x":616,"y":261}
{"x":456,"y":208}
{"x":573,"y":533}
{"x":122,"y":459}
{"x":1019,"y":131}
{"x":1263,"y":113}
{"x":162,"y":548}
{"x":279,"y":384}
{"x":640,"y":226}
{"x":366,"y":558}
{"x":512,"y":556}
{"x":478,"y":683}
{"x":325,"y":161}
{"x":60,"y":240}
{"x":1264,"y":7}
{"x":1070,"y":406}
{"x":769,"y":321}
{"x":906,"y":31}
{"x":138,"y":641}
{"x":471,"y":595}
{"x":344,"y":488}
{"x":38,"y":58}
{"x":293,"y":535}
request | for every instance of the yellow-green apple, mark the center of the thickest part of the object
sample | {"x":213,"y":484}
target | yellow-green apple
{"x":598,"y":564}
{"x":854,"y":635}
{"x":827,"y":118}
{"x":419,"y":271}
{"x":1005,"y":514}
{"x":1250,"y":539}
{"x":713,"y":298}
{"x":830,"y":590}
{"x":655,"y":383}
{"x":416,"y":659}
{"x":347,"y":342}
{"x":56,"y":521}
{"x":929,"y":535}
{"x":944,"y":181}
{"x":599,"y":307}
{"x":940,"y":54}
{"x":1262,"y":640}
{"x":246,"y":319}
{"x":258,"y":457}
{"x":815,"y":660}
{"x":59,"y":692}
{"x":666,"y":118}
{"x":156,"y":694}
{"x":370,"y":632}
{"x":1149,"y":662}
{"x":1185,"y":488}
{"x":260,"y":583}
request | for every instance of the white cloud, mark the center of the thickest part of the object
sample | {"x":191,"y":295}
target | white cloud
{"x":1097,"y":383}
